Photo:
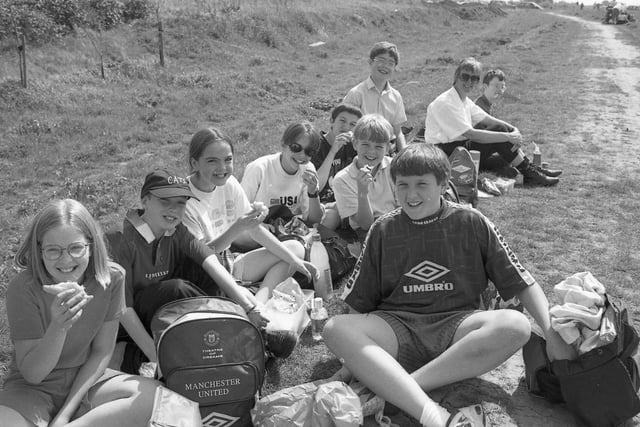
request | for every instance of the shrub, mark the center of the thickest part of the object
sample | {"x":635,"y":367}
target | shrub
{"x":136,"y":9}
{"x":67,"y":13}
{"x":32,"y":20}
{"x":105,"y":14}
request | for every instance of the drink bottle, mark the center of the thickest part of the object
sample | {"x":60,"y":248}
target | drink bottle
{"x":319,"y":317}
{"x":537,"y":155}
{"x":319,"y":257}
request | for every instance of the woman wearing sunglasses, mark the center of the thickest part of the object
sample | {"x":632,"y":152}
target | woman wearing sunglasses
{"x":287,"y":182}
{"x":451,"y":121}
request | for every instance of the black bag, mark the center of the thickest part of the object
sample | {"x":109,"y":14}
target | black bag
{"x":599,"y":387}
{"x":210,"y":352}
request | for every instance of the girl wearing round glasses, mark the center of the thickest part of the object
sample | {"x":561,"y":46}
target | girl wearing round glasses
{"x":63,"y":311}
{"x":287,"y":182}
{"x":221,"y":215}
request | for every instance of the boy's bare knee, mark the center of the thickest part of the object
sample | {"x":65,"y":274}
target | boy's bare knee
{"x":333,"y":329}
{"x":515,"y":327}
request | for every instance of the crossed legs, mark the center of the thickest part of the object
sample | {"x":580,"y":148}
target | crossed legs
{"x":369,"y":348}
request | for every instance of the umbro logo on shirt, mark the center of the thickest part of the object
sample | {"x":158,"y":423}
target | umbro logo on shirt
{"x":427,"y":271}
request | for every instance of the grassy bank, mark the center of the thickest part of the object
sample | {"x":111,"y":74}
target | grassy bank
{"x":253,"y":71}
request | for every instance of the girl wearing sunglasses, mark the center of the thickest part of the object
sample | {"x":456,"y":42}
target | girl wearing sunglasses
{"x":287,"y":182}
{"x":222,"y":215}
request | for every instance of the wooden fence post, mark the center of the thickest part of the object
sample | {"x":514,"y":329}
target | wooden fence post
{"x":161,"y":42}
{"x":23,"y":68}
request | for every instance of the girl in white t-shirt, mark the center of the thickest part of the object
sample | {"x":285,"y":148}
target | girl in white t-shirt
{"x":287,"y":182}
{"x":223,"y":215}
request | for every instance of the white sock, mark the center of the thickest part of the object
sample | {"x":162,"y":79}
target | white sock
{"x":434,"y":415}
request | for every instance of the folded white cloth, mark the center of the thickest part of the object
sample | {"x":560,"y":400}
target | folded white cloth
{"x":579,"y":320}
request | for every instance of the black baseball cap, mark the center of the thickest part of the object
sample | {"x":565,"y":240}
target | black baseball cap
{"x":164,"y":184}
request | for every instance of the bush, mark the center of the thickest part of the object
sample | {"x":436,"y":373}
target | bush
{"x":136,"y":9}
{"x":67,"y":13}
{"x":105,"y":14}
{"x":33,"y":23}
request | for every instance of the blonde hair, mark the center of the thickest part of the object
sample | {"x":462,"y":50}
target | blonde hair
{"x":374,"y":128}
{"x":58,"y":213}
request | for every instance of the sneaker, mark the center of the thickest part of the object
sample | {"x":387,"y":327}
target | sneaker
{"x":470,"y":416}
{"x":533,"y":178}
{"x":553,"y":173}
{"x":373,"y":406}
{"x":486,"y":185}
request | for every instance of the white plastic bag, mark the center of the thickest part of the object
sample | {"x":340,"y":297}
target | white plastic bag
{"x":171,"y":409}
{"x":316,"y":404}
{"x":287,"y":309}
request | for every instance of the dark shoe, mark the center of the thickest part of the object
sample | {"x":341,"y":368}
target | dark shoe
{"x":549,"y":172}
{"x":507,"y":172}
{"x":533,"y":178}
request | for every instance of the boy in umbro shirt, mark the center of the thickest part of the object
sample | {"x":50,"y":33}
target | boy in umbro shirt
{"x":154,"y":247}
{"x":414,"y":297}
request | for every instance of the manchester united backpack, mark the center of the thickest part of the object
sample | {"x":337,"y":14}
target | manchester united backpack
{"x":211,"y":353}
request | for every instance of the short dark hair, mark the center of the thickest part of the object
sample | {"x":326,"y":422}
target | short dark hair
{"x":421,"y":158}
{"x":492,"y":74}
{"x":341,"y":108}
{"x":296,"y":131}
{"x":381,"y":48}
{"x":471,"y":64}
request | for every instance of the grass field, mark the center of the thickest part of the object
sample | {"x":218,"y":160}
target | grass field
{"x":252,"y":72}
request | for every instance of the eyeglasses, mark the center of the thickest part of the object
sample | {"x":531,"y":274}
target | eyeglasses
{"x":384,"y":61}
{"x":466,"y":77}
{"x":54,"y":252}
{"x":296,"y":148}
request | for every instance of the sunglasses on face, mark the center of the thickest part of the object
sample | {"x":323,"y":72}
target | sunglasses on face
{"x":466,"y":77}
{"x":55,"y":252}
{"x":296,"y":148}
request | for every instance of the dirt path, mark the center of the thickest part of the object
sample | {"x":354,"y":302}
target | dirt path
{"x":611,"y":120}
{"x":610,"y":112}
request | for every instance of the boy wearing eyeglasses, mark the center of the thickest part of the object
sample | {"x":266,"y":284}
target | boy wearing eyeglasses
{"x":375,"y":94}
{"x":287,"y":182}
{"x":452,"y":119}
{"x":364,"y":190}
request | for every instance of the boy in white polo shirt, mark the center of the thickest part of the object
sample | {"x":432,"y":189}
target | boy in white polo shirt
{"x":364,"y":190}
{"x":375,"y":94}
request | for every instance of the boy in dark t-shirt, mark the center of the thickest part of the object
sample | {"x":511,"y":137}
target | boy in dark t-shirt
{"x":336,"y":152}
{"x":156,"y":251}
{"x":415,"y":293}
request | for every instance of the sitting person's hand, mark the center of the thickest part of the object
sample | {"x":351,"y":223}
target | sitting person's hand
{"x":310,"y":179}
{"x":515,"y":138}
{"x":308,"y":269}
{"x":558,"y":349}
{"x":341,"y":140}
{"x":253,"y":218}
{"x":364,"y":178}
